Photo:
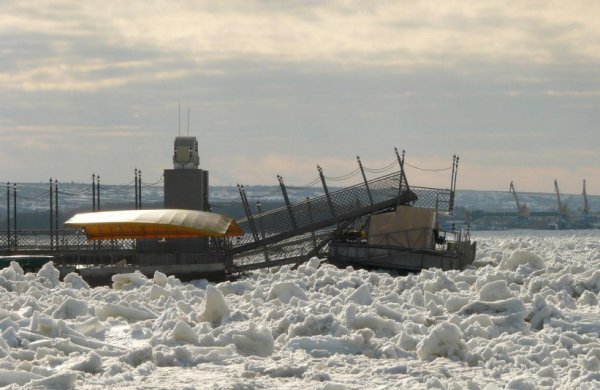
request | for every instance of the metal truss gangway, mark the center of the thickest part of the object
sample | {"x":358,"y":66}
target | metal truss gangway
{"x":295,"y":232}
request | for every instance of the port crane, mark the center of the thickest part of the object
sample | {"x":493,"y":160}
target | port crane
{"x":587,"y":219}
{"x":562,"y":208}
{"x":586,"y":206}
{"x":522,"y":209}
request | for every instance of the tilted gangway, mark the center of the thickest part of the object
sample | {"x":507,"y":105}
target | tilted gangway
{"x":295,"y":232}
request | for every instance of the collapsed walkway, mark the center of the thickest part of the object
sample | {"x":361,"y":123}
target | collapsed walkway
{"x":295,"y":232}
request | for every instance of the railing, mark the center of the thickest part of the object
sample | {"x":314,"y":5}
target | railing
{"x":284,"y":232}
{"x":62,"y":240}
{"x":322,"y":210}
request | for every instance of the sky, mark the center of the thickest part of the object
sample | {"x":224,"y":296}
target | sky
{"x":277,"y":87}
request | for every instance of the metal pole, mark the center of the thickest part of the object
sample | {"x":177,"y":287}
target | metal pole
{"x":93,"y":192}
{"x":455,"y":173}
{"x":51,"y":218}
{"x":365,"y":179}
{"x":135,"y":180}
{"x":326,"y":190}
{"x":402,"y":173}
{"x":453,"y":184}
{"x":287,"y":201}
{"x":140,"y":189}
{"x":56,"y":210}
{"x":248,"y":212}
{"x":15,"y":213}
{"x":8,"y":215}
{"x":98,"y":191}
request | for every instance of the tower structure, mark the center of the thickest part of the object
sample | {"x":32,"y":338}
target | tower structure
{"x":186,"y":185}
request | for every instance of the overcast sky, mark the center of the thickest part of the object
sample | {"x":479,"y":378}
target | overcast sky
{"x":277,"y":87}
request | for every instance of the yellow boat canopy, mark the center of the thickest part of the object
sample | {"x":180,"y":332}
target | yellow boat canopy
{"x":164,"y":223}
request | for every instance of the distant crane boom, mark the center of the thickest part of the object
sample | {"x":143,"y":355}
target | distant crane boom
{"x":512,"y":189}
{"x":586,"y":206}
{"x":522,"y":210}
{"x":562,"y":208}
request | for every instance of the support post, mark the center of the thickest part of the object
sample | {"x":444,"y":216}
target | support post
{"x":15,"y":214}
{"x":56,"y":211}
{"x":453,"y":183}
{"x":8,"y":215}
{"x":93,"y":191}
{"x":331,"y":208}
{"x":140,"y":189}
{"x":405,"y":196}
{"x":365,"y":179}
{"x":135,"y":181}
{"x":248,"y":212}
{"x":51,"y":217}
{"x":287,"y":201}
{"x":402,"y":173}
{"x":98,"y":191}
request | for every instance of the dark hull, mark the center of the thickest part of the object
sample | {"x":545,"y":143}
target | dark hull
{"x":362,"y":255}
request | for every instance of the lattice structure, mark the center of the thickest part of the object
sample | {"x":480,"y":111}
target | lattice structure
{"x":289,"y":232}
{"x":71,"y":240}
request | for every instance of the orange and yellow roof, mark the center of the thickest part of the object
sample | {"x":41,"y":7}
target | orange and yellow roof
{"x":163,"y":223}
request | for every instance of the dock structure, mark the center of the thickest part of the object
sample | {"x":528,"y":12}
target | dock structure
{"x":290,"y":234}
{"x":295,"y":232}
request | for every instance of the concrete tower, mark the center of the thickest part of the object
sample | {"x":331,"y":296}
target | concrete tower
{"x":186,"y":186}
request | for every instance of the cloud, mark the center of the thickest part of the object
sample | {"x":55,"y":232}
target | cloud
{"x":280,"y":86}
{"x":336,"y":34}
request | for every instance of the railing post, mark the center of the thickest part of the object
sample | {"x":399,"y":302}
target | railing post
{"x":365,"y":179}
{"x":326,"y":190}
{"x":453,"y":182}
{"x":248,"y":212}
{"x":140,"y":188}
{"x":93,"y":192}
{"x":98,"y":191}
{"x":8,"y":215}
{"x":15,"y":215}
{"x":402,"y":173}
{"x":287,"y":201}
{"x":51,"y":217}
{"x":56,"y":212}
{"x":135,"y":180}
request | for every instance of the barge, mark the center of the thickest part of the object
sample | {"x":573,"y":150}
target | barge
{"x":405,"y":240}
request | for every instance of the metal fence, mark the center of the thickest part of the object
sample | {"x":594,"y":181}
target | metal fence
{"x":63,"y":240}
{"x":284,"y":232}
{"x":330,"y":208}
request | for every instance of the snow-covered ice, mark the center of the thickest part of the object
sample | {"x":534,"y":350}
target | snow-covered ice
{"x":525,"y":316}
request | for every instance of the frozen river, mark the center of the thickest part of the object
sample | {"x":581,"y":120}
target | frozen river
{"x":525,"y":316}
